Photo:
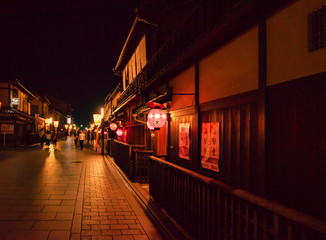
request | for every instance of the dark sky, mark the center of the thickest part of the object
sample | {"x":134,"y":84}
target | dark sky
{"x":67,"y":48}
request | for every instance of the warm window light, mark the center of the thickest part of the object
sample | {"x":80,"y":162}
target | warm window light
{"x":56,"y":124}
{"x":102,"y":112}
{"x":157,"y":118}
{"x":50,"y":120}
{"x":113,"y":126}
{"x":119,"y":132}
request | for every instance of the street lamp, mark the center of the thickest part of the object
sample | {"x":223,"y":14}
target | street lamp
{"x":97,"y":121}
{"x":56,"y":124}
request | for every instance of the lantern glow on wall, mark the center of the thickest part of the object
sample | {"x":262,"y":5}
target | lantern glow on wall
{"x":119,"y":132}
{"x":113,"y":126}
{"x":157,"y":118}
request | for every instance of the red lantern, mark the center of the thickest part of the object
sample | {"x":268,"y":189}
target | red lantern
{"x":113,"y":126}
{"x":119,"y":132}
{"x":157,"y":118}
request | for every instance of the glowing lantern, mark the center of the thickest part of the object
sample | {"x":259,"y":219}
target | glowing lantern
{"x":97,"y":119}
{"x":105,"y":132}
{"x":149,"y":126}
{"x":56,"y":124}
{"x":119,"y":132}
{"x":66,"y":126}
{"x":156,"y":118}
{"x":113,"y":126}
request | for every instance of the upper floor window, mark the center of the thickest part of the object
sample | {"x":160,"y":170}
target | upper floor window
{"x":317,"y":29}
{"x":127,"y":77}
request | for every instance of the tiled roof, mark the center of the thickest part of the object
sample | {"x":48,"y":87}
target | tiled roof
{"x":7,"y":110}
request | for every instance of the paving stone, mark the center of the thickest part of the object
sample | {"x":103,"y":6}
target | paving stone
{"x":76,"y":224}
{"x":38,"y":216}
{"x":27,"y":235}
{"x":26,"y":208}
{"x":124,"y":237}
{"x":64,"y":216}
{"x":46,"y":202}
{"x":111,"y":232}
{"x":131,"y":231}
{"x":140,"y":237}
{"x":59,"y":209}
{"x":59,"y":235}
{"x":16,"y":225}
{"x":52,"y":225}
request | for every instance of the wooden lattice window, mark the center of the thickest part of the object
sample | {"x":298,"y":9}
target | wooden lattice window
{"x":317,"y":29}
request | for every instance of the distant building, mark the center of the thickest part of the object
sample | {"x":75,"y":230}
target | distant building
{"x":23,"y":114}
{"x":16,"y":122}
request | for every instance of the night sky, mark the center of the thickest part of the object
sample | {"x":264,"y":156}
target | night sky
{"x":67,"y":48}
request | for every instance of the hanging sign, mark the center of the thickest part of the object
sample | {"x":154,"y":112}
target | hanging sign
{"x":14,"y":101}
{"x":210,"y":146}
{"x":184,"y":139}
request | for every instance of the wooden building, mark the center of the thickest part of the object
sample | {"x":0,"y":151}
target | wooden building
{"x":17,"y":123}
{"x":244,"y":82}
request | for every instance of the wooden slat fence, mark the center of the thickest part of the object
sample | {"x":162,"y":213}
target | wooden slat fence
{"x":142,"y":165}
{"x":209,"y":209}
{"x":124,"y":156}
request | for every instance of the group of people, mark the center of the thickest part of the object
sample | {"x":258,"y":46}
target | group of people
{"x":80,"y":138}
{"x":48,"y":137}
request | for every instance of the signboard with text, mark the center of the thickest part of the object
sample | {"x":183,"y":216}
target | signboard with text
{"x":7,"y":128}
{"x":14,"y":101}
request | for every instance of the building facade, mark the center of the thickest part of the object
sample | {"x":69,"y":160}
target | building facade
{"x":243,"y":83}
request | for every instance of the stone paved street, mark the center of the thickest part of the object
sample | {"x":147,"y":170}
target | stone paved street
{"x":66,"y":194}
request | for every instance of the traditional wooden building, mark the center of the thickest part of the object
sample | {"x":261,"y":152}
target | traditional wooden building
{"x":17,"y":123}
{"x":244,"y":84}
{"x":40,"y":109}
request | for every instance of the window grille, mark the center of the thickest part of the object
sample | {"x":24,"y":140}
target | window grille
{"x":317,"y":29}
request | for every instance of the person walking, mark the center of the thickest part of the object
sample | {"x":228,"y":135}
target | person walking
{"x":81,"y":139}
{"x":54,"y":139}
{"x":41,"y":134}
{"x":47,"y":139}
{"x":76,"y":139}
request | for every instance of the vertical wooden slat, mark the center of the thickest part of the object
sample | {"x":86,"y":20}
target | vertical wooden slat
{"x":255,"y":225}
{"x":226,"y":218}
{"x":239,"y":221}
{"x":232,"y":220}
{"x":247,"y":222}
{"x":275,"y":227}
{"x":265,"y":227}
{"x":289,"y":232}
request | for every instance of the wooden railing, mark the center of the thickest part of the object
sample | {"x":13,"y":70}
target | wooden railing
{"x":142,"y":165}
{"x":110,"y":147}
{"x":209,"y":209}
{"x":125,"y":158}
{"x":207,"y":14}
